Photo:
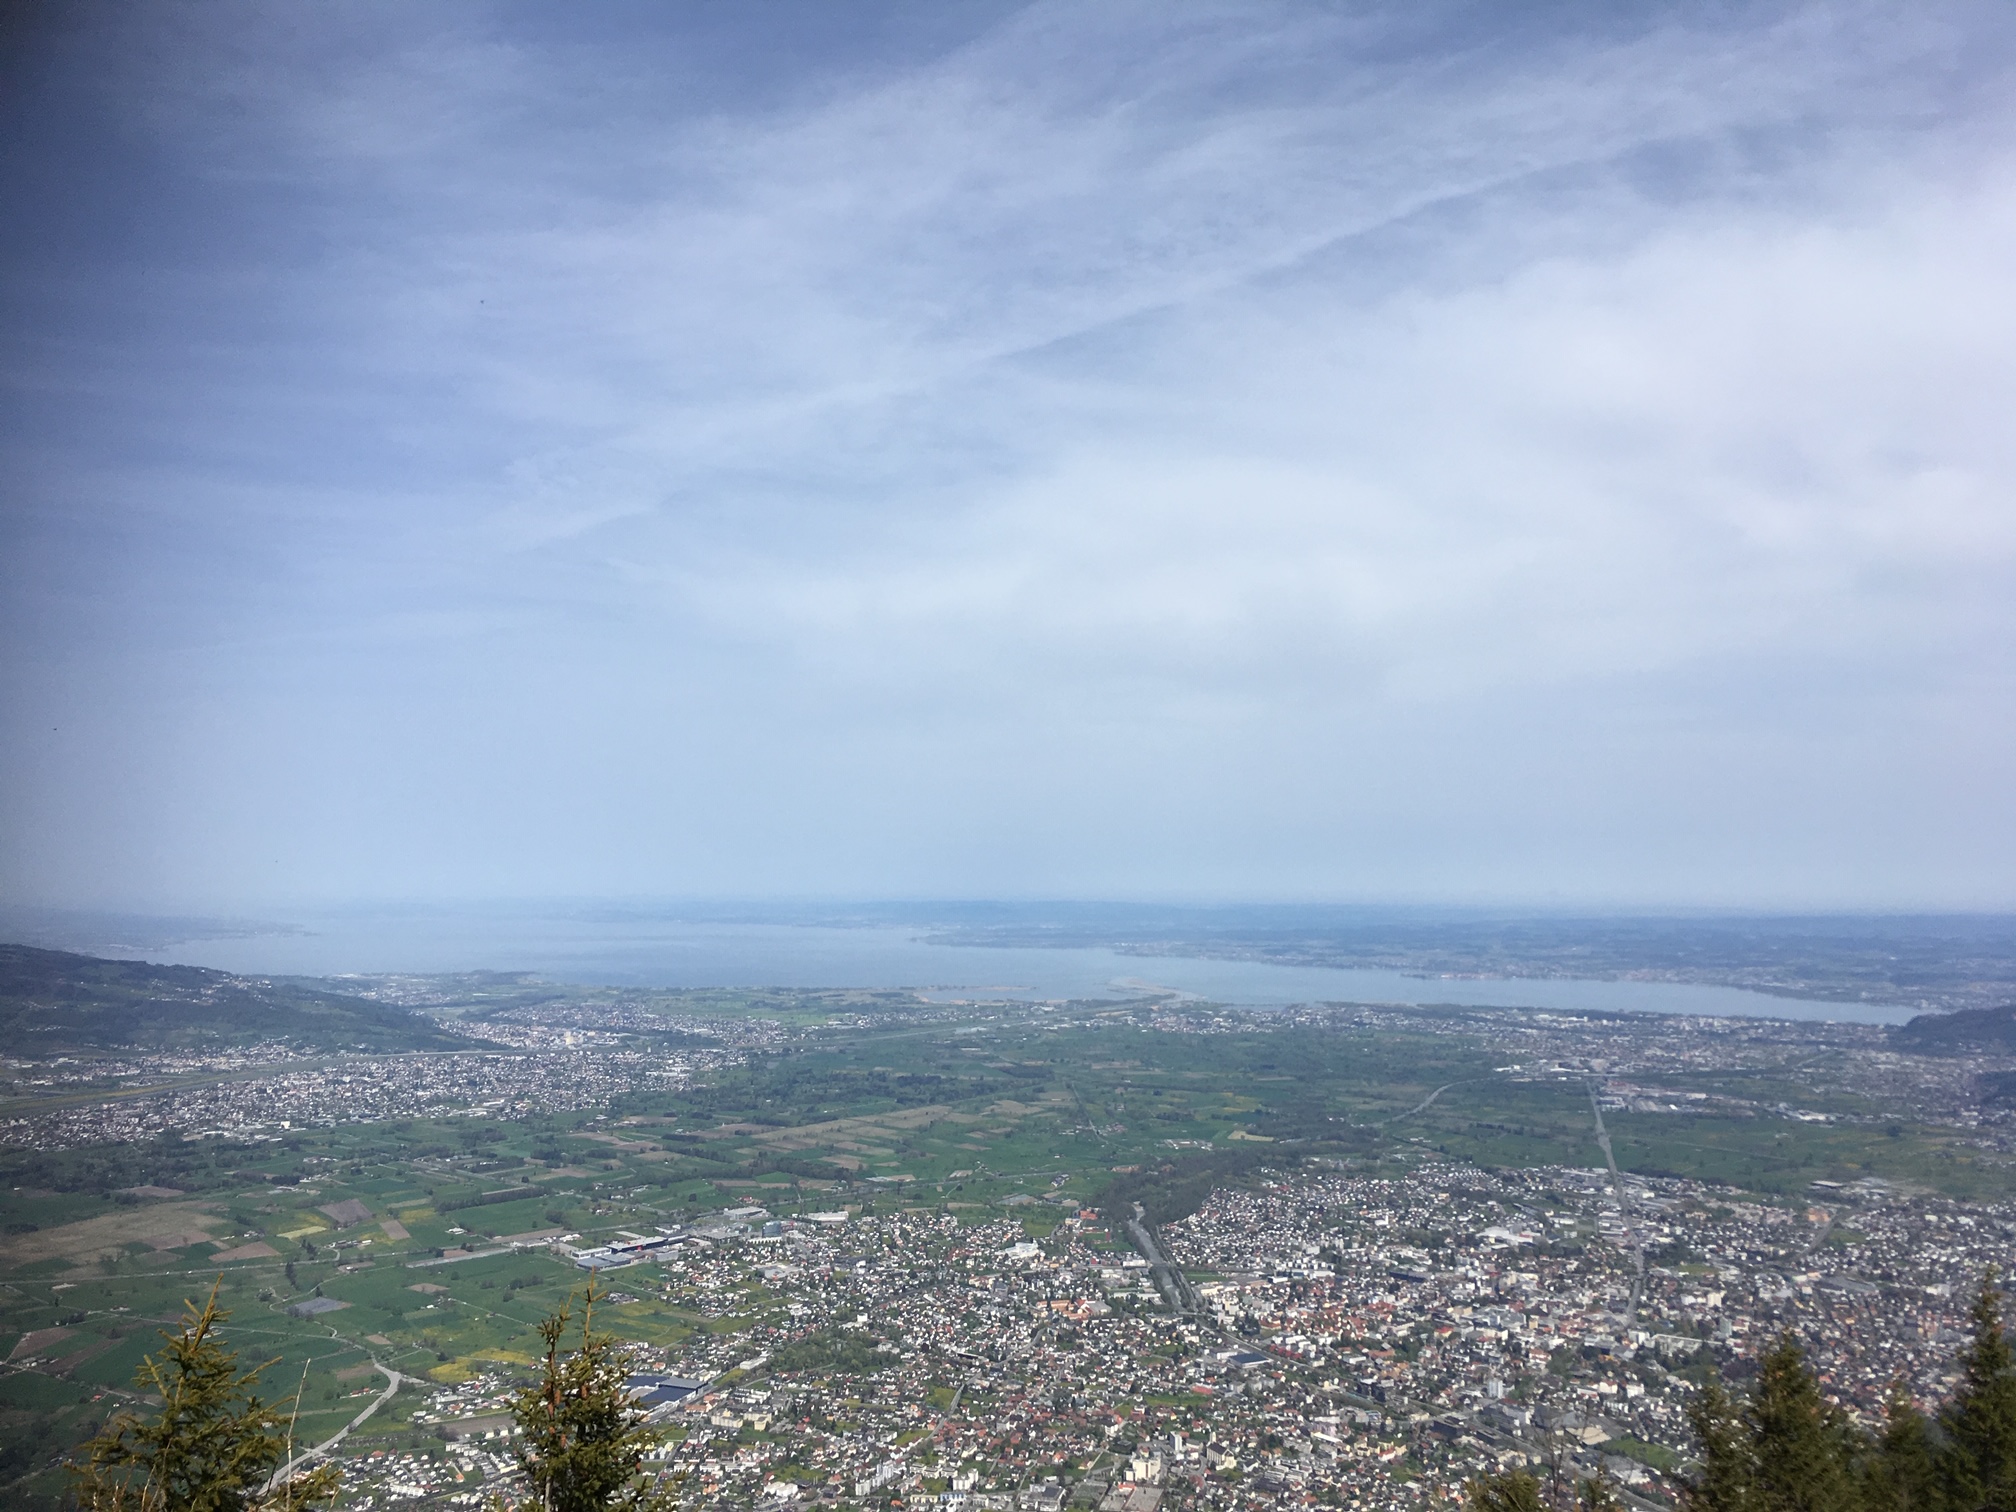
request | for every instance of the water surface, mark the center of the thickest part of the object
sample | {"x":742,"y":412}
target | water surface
{"x":673,"y":953}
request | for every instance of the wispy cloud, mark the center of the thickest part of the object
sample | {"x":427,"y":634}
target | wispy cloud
{"x":1452,"y":450}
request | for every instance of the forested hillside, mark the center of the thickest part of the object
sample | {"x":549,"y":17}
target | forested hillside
{"x":53,"y":1002}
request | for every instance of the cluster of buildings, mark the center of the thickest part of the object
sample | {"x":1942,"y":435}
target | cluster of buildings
{"x":390,"y":1478}
{"x":1355,"y":1341}
{"x":561,"y":1057}
{"x":364,"y":1089}
{"x":1818,"y":1056}
{"x":23,"y":1076}
{"x":595,"y":1026}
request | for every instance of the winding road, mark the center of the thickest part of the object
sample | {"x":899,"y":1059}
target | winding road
{"x":307,"y":1456}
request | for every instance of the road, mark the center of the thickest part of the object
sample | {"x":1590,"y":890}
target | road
{"x":1171,"y":1282}
{"x":308,"y":1456}
{"x":1623,"y":1211}
{"x":1420,"y":1107}
{"x":482,"y":1254}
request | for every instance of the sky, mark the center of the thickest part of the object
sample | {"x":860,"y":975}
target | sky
{"x":1555,"y":454}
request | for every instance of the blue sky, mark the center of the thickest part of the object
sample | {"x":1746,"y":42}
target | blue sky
{"x":1541,"y":453}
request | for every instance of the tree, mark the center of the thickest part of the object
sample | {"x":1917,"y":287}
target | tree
{"x":1803,"y":1451}
{"x":1516,"y":1492}
{"x":1723,"y":1484}
{"x":1902,"y":1475}
{"x":1786,"y":1449}
{"x":213,"y":1447}
{"x":1981,"y":1421}
{"x":583,"y":1438}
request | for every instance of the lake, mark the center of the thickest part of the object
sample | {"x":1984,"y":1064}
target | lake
{"x":673,"y":953}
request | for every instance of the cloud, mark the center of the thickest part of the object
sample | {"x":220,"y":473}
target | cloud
{"x":1751,"y":431}
{"x":1437,"y":449}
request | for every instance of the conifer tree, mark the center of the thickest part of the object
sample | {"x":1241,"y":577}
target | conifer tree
{"x":1803,"y":1452}
{"x":1981,"y":1422}
{"x":213,"y":1447}
{"x":1785,"y":1448}
{"x":1727,"y":1464}
{"x":1902,"y":1475}
{"x":584,"y":1438}
{"x":1516,"y":1492}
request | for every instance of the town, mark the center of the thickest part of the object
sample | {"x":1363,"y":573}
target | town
{"x":999,"y":1255}
{"x":1358,"y":1343}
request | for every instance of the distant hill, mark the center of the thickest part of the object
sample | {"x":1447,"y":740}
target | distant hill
{"x":1952,"y":1033}
{"x":53,"y":1002}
